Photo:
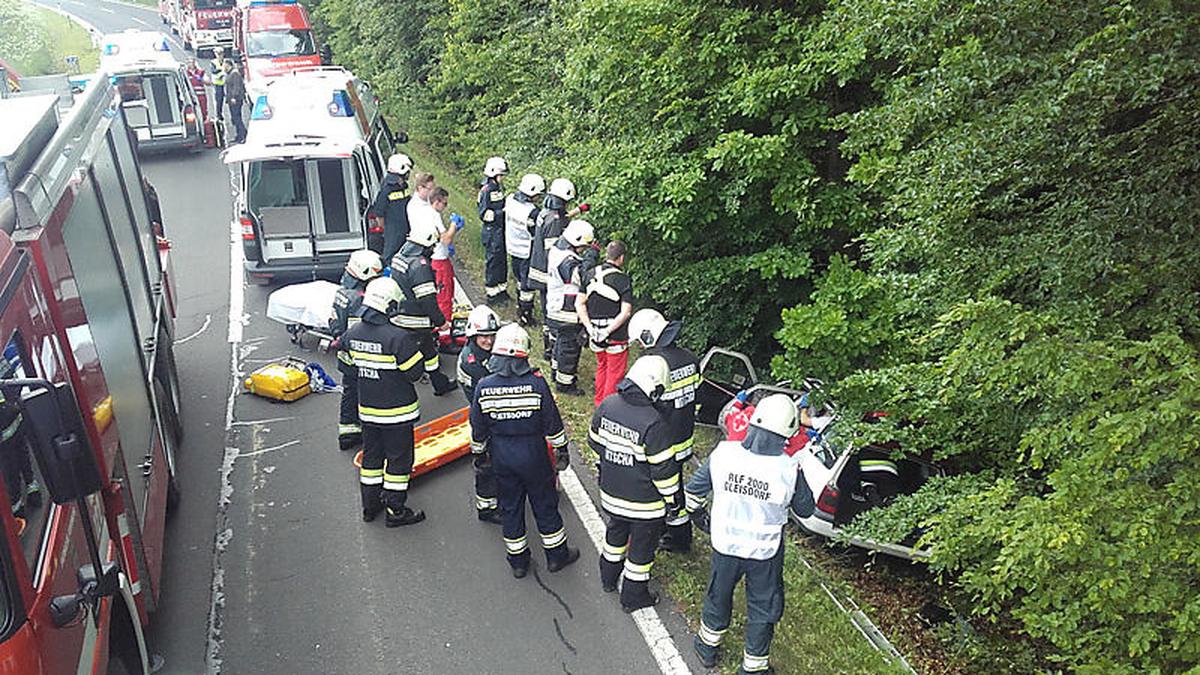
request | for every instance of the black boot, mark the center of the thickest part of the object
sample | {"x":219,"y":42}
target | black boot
{"x":349,"y":442}
{"x":489,"y":515}
{"x":650,"y":600}
{"x":559,"y":562}
{"x":442,"y":385}
{"x":405,"y":516}
{"x":707,"y":654}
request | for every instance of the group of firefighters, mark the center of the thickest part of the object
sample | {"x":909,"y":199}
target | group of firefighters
{"x":386,"y":319}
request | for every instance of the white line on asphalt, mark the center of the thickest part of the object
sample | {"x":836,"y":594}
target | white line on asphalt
{"x":273,"y":448}
{"x":207,"y":320}
{"x":105,"y":9}
{"x":135,"y":19}
{"x":251,"y":423}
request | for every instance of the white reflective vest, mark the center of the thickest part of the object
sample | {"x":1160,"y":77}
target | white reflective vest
{"x":751,"y":497}
{"x":561,"y":293}
{"x":518,"y":227}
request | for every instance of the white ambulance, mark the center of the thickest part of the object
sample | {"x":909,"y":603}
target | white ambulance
{"x":160,"y":105}
{"x":315,"y":152}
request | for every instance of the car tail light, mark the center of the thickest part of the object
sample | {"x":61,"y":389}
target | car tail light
{"x":189,"y":115}
{"x":827,"y":502}
{"x":247,"y":228}
{"x":375,"y":229}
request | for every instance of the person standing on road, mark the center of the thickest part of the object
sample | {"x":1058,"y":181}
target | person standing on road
{"x":753,"y":485}
{"x":520,"y":215}
{"x":361,"y":269}
{"x":513,"y":416}
{"x":198,"y":81}
{"x":638,"y":485}
{"x":604,"y":310}
{"x":235,"y":94}
{"x":490,"y":205}
{"x":388,"y":361}
{"x":218,"y":83}
{"x":657,"y":336}
{"x":389,"y":212}
{"x":419,"y":311}
{"x":561,"y":293}
{"x":482,"y":325}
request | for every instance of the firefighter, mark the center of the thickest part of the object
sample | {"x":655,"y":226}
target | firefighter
{"x":390,"y":210}
{"x":419,"y":311}
{"x":482,"y":325}
{"x":639,"y":486}
{"x":513,"y":417}
{"x":490,"y":205}
{"x":753,"y":485}
{"x":217,"y":78}
{"x":520,"y":214}
{"x":657,"y":336}
{"x":548,"y":227}
{"x":362,"y":267}
{"x":388,"y":361}
{"x":561,"y":292}
{"x":604,"y":310}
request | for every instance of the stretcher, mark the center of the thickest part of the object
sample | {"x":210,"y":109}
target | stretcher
{"x":438,"y":442}
{"x":304,"y":310}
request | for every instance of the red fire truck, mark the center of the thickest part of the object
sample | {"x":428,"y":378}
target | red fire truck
{"x":89,"y":396}
{"x":201,"y":24}
{"x":273,"y":37}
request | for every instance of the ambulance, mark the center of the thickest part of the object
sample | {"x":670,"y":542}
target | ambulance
{"x":315,"y":152}
{"x":273,"y":37}
{"x":160,"y":106}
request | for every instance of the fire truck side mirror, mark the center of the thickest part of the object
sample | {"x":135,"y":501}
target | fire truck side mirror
{"x":65,"y":609}
{"x":55,"y":431}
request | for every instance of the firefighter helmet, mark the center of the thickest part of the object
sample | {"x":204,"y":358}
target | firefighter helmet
{"x":511,"y":340}
{"x":646,"y":326}
{"x":778,"y":414}
{"x":482,"y":321}
{"x":423,"y":232}
{"x":563,"y":189}
{"x":532,"y":185}
{"x":495,"y":166}
{"x":400,"y":163}
{"x":579,"y":233}
{"x":364,"y":265}
{"x":651,"y":374}
{"x":381,"y":294}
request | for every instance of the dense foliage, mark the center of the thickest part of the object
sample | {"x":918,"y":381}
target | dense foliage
{"x":980,"y":216}
{"x":23,"y":39}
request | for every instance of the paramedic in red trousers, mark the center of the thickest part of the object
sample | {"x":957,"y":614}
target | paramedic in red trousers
{"x":198,"y":80}
{"x":604,"y":309}
{"x":639,"y":486}
{"x":389,"y":213}
{"x":419,"y":312}
{"x":362,"y":267}
{"x":513,"y":417}
{"x":753,"y":486}
{"x":520,"y":214}
{"x":430,"y":213}
{"x":482,"y":325}
{"x":388,"y":361}
{"x":657,"y":336}
{"x":562,"y":289}
{"x":490,"y":205}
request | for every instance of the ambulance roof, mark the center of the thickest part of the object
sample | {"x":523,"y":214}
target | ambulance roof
{"x":134,"y":50}
{"x":263,"y":16}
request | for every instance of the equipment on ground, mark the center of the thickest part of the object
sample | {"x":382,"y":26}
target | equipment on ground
{"x":284,"y":380}
{"x":304,"y":310}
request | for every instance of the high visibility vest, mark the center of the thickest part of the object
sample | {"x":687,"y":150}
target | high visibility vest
{"x":218,"y":78}
{"x":560,"y":292}
{"x":751,"y":496}
{"x":518,"y":226}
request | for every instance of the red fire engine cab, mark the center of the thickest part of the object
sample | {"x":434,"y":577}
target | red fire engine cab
{"x":273,"y":37}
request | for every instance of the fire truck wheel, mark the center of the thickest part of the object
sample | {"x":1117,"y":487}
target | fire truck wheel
{"x":174,"y":495}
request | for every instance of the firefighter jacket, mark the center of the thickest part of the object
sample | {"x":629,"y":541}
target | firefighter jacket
{"x":549,"y":227}
{"x":520,"y":215}
{"x":472,"y":367}
{"x":563,"y":283}
{"x":413,"y":272}
{"x":679,"y":400}
{"x":490,"y":203}
{"x":347,"y":303}
{"x":391,"y":204}
{"x":514,"y":416}
{"x":607,"y":288}
{"x":388,"y":360}
{"x":638,"y":480}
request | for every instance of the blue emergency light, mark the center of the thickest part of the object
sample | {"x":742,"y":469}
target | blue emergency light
{"x":262,"y":110}
{"x":110,"y":49}
{"x":162,"y":46}
{"x":340,"y":105}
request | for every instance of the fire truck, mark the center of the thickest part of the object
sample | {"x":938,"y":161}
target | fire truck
{"x":273,"y":37}
{"x":201,"y":24}
{"x":89,"y":393}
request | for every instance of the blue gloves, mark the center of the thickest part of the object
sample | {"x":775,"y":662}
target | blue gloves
{"x":458,"y":221}
{"x":451,"y":248}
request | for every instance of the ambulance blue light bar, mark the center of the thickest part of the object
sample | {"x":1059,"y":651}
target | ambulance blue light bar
{"x":340,"y":105}
{"x":262,"y":110}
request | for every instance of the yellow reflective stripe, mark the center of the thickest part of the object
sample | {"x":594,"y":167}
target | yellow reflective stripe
{"x":668,"y":486}
{"x":558,"y":440}
{"x":622,"y":507}
{"x":412,"y":361}
{"x":402,"y":413}
{"x":690,"y":380}
{"x":11,"y":429}
{"x":661,"y":456}
{"x":554,"y":538}
{"x":431,"y":363}
{"x":683,"y":446}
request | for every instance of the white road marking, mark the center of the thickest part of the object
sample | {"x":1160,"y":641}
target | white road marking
{"x":270,"y":420}
{"x":105,"y":9}
{"x":207,"y":320}
{"x":273,"y":448}
{"x":137,"y":20}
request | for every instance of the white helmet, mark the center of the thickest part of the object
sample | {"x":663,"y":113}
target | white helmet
{"x":579,"y":233}
{"x":778,"y":414}
{"x":646,"y":326}
{"x":381,"y":294}
{"x":364,"y":265}
{"x":532,"y":185}
{"x":482,"y":321}
{"x":511,"y":340}
{"x":651,"y":374}
{"x":423,"y":232}
{"x":400,"y":163}
{"x":563,"y":189}
{"x":495,"y":166}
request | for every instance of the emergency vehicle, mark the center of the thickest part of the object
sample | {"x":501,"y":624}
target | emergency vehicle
{"x":316,"y":149}
{"x":91,"y":402}
{"x":273,"y":37}
{"x":201,"y":24}
{"x":160,"y":105}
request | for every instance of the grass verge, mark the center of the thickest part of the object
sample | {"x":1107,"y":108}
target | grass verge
{"x":61,"y":38}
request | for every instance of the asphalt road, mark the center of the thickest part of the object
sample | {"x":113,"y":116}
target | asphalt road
{"x":268,"y":568}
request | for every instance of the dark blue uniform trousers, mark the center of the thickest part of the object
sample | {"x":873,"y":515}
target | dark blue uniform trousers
{"x":764,"y":605}
{"x":349,"y":428}
{"x":527,"y":474}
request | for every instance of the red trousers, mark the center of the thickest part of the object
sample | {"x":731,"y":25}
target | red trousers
{"x":610,"y":368}
{"x":443,"y":275}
